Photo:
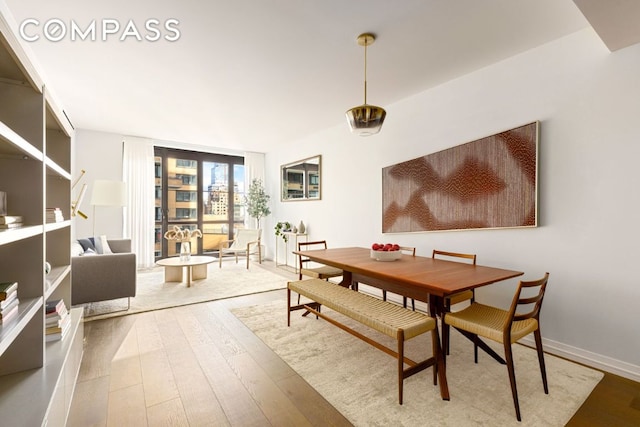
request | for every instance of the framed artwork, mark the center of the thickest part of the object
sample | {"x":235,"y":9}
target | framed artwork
{"x":488,"y":183}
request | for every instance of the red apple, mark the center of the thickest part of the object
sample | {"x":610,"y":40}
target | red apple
{"x":375,"y":246}
{"x":396,"y":247}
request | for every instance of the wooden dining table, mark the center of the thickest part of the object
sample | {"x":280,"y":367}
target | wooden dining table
{"x":422,"y":278}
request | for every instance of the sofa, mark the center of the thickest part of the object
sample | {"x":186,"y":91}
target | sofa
{"x":103,"y":276}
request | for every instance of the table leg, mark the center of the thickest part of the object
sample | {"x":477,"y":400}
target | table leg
{"x":347,"y":278}
{"x":172,"y":274}
{"x":436,"y":306}
{"x":199,"y":272}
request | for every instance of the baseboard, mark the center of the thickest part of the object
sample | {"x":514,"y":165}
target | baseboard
{"x":588,"y":358}
{"x":575,"y":354}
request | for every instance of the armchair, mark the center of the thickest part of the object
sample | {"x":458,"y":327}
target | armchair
{"x":245,"y":243}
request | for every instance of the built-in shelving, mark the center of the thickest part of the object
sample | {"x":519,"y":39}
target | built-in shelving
{"x":37,"y":378}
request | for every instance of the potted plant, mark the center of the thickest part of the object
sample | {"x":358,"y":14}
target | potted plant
{"x":281,"y":228}
{"x":257,"y":201}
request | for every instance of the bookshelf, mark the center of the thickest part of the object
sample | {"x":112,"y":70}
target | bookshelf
{"x":37,"y":379}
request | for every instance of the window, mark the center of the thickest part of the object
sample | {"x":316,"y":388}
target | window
{"x":186,"y":196}
{"x":197,"y":190}
{"x":186,"y":213}
{"x":181,"y":163}
{"x":188,"y":179}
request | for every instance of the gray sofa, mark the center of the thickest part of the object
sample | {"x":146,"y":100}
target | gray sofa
{"x":104,"y":277}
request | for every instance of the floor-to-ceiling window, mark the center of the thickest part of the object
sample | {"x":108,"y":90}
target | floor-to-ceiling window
{"x":197,"y":190}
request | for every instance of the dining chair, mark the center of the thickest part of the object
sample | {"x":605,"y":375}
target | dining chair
{"x":309,"y":268}
{"x":506,"y":326}
{"x":409,"y":251}
{"x":312,"y":269}
{"x":245,"y":242}
{"x":457,"y":297}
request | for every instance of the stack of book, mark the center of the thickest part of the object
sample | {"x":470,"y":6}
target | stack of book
{"x":54,"y":215}
{"x":58,"y":320}
{"x":8,"y":301}
{"x":10,"y":221}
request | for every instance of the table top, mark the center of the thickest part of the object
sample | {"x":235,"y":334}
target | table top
{"x":194,"y":260}
{"x":419,"y":275}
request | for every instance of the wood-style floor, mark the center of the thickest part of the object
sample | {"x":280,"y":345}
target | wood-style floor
{"x":200,"y":366}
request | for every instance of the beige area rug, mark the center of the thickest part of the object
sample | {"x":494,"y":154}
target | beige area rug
{"x":154,"y":293}
{"x":361,"y":381}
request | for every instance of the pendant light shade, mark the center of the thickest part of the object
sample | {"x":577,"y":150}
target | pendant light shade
{"x":366,"y":119}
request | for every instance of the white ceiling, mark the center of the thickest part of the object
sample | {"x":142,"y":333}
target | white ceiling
{"x":250,"y":74}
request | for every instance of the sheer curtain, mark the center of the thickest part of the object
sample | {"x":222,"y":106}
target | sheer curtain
{"x":253,"y":169}
{"x":138,"y":174}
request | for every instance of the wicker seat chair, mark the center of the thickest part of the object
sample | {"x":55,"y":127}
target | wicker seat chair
{"x":506,"y":326}
{"x":457,"y":297}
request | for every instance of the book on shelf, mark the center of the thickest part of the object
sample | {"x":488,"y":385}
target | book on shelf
{"x":58,"y":332}
{"x":6,"y":288}
{"x":10,"y":219}
{"x":64,"y":323}
{"x":54,"y":306}
{"x":13,"y":295}
{"x":8,"y":314}
{"x":54,"y":215}
{"x":10,"y":226}
{"x":55,"y":321}
{"x":57,"y":336}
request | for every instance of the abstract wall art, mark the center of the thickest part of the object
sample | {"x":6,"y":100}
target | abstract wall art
{"x":487,"y":183}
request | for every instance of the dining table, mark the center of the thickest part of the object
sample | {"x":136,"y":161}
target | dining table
{"x":425,"y":279}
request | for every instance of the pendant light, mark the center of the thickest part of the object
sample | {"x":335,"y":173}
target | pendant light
{"x":366,"y":119}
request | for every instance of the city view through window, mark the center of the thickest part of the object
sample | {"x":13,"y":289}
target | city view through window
{"x":197,"y":190}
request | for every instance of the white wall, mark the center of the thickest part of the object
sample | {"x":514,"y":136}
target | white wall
{"x":100,"y":155}
{"x":587,"y":102}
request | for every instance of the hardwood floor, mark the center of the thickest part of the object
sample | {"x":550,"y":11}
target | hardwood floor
{"x":198,"y":365}
{"x":190,"y":366}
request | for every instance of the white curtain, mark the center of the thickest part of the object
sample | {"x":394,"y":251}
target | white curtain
{"x":139,"y":214}
{"x":253,"y":169}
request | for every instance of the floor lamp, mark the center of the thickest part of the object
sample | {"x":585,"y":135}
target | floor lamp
{"x":107,"y":193}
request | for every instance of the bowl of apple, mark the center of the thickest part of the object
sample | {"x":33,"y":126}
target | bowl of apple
{"x":385,"y":252}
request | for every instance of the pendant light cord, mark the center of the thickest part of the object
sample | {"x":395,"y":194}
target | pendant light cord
{"x":365,"y":72}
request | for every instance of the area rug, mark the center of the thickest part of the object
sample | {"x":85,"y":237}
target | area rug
{"x":153,"y":293}
{"x":361,"y":381}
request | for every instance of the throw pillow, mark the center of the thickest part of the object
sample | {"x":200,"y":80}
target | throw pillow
{"x":86,"y":244}
{"x":89,"y":251}
{"x":106,"y":249}
{"x":98,"y":244}
{"x":76,"y":249}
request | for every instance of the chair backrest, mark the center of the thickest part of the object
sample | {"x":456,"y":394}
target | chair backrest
{"x":409,"y":250}
{"x":244,"y":236}
{"x":528,"y":306}
{"x":308,"y":246}
{"x":439,"y":254}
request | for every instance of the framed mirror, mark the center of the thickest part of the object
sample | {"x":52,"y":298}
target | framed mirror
{"x":301,"y":180}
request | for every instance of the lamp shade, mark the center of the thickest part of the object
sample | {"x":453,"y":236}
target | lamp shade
{"x":366,"y":119}
{"x":108,"y":193}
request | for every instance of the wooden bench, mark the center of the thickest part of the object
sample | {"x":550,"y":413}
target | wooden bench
{"x":388,"y":318}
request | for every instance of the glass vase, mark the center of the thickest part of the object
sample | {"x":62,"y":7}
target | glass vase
{"x":185,"y":251}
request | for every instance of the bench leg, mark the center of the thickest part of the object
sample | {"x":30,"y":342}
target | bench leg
{"x":400,"y":365}
{"x":314,"y":305}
